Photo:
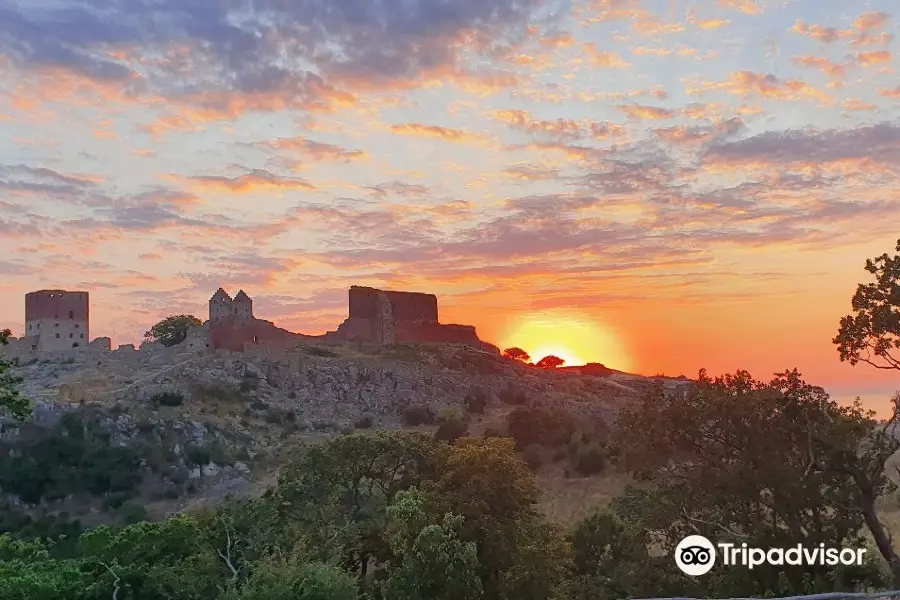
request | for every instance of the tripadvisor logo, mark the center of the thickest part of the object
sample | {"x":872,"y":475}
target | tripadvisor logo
{"x":696,"y":555}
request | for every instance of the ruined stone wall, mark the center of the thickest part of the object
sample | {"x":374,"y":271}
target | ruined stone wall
{"x":197,"y":338}
{"x":365,"y":303}
{"x":234,"y":334}
{"x":413,"y":306}
{"x":384,"y":323}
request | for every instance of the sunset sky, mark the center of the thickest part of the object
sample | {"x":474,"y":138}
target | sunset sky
{"x":659,"y":186}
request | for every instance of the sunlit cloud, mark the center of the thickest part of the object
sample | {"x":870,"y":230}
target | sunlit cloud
{"x":593,"y":161}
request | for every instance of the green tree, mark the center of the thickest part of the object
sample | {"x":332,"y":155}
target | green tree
{"x":548,"y":427}
{"x":10,"y":397}
{"x":433,"y":563}
{"x":148,"y":561}
{"x":550,"y":362}
{"x":517,"y":354}
{"x":338,"y":492}
{"x":172,"y":330}
{"x":278,"y":578}
{"x":521,"y":556}
{"x":806,"y":480}
{"x":872,"y":333}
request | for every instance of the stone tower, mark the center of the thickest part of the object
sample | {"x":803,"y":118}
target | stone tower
{"x":221,"y":306}
{"x":243,"y":306}
{"x":58,"y":318}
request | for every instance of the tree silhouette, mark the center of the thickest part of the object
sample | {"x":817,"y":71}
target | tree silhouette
{"x":872,"y":334}
{"x":172,"y":330}
{"x":516,"y":354}
{"x":550,"y":362}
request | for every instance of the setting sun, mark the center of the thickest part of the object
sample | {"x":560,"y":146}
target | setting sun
{"x":575,"y":339}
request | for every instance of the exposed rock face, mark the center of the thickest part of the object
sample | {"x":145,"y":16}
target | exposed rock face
{"x":316,"y":389}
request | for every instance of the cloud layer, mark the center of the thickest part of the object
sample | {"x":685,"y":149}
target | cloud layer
{"x":599,"y":158}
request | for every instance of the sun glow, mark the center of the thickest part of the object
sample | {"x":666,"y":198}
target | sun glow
{"x":575,"y":339}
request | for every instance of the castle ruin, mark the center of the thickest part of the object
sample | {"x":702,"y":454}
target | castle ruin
{"x":58,"y":321}
{"x":375,"y":316}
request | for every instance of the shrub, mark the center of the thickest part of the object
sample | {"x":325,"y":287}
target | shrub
{"x":550,"y":428}
{"x":72,"y":458}
{"x":248,"y":384}
{"x":533,"y":457}
{"x":276,"y":416}
{"x":492,"y":432}
{"x":168,"y":399}
{"x":589,"y":459}
{"x":418,"y":415}
{"x":452,"y":430}
{"x":198,"y":455}
{"x":117,"y":499}
{"x":321,"y":352}
{"x":131,"y":513}
{"x":512,"y":396}
{"x":451,"y":413}
{"x":364,"y":422}
{"x":476,"y":401}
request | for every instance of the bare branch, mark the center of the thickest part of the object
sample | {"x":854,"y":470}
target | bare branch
{"x":227,"y":556}
{"x":693,"y":520}
{"x":116,"y":582}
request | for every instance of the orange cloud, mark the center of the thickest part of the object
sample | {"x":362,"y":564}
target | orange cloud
{"x":823,"y":64}
{"x":638,"y":111}
{"x":871,"y":20}
{"x":255,"y":180}
{"x":609,"y":60}
{"x":557,"y":40}
{"x":313,"y":150}
{"x":447,"y":133}
{"x":696,"y":21}
{"x":748,"y":7}
{"x":866,"y":39}
{"x":825,"y":35}
{"x":876,"y":57}
{"x":525,"y":121}
{"x":654,"y":25}
{"x":769,"y":86}
{"x":856,"y":104}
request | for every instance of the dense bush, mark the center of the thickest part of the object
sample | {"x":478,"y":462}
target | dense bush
{"x":75,"y":457}
{"x":451,"y":413}
{"x":419,"y":414}
{"x":492,"y":432}
{"x":451,"y":430}
{"x":589,"y":459}
{"x":547,"y":427}
{"x":168,"y":399}
{"x":513,"y":396}
{"x":533,"y":456}
{"x":476,"y":401}
{"x":364,"y":422}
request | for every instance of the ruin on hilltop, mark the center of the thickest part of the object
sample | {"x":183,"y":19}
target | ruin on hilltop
{"x":375,"y":316}
{"x":57,"y":323}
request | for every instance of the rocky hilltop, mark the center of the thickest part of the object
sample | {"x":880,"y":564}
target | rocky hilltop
{"x":209,"y":423}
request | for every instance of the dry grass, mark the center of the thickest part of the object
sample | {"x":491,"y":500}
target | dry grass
{"x":566,"y":500}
